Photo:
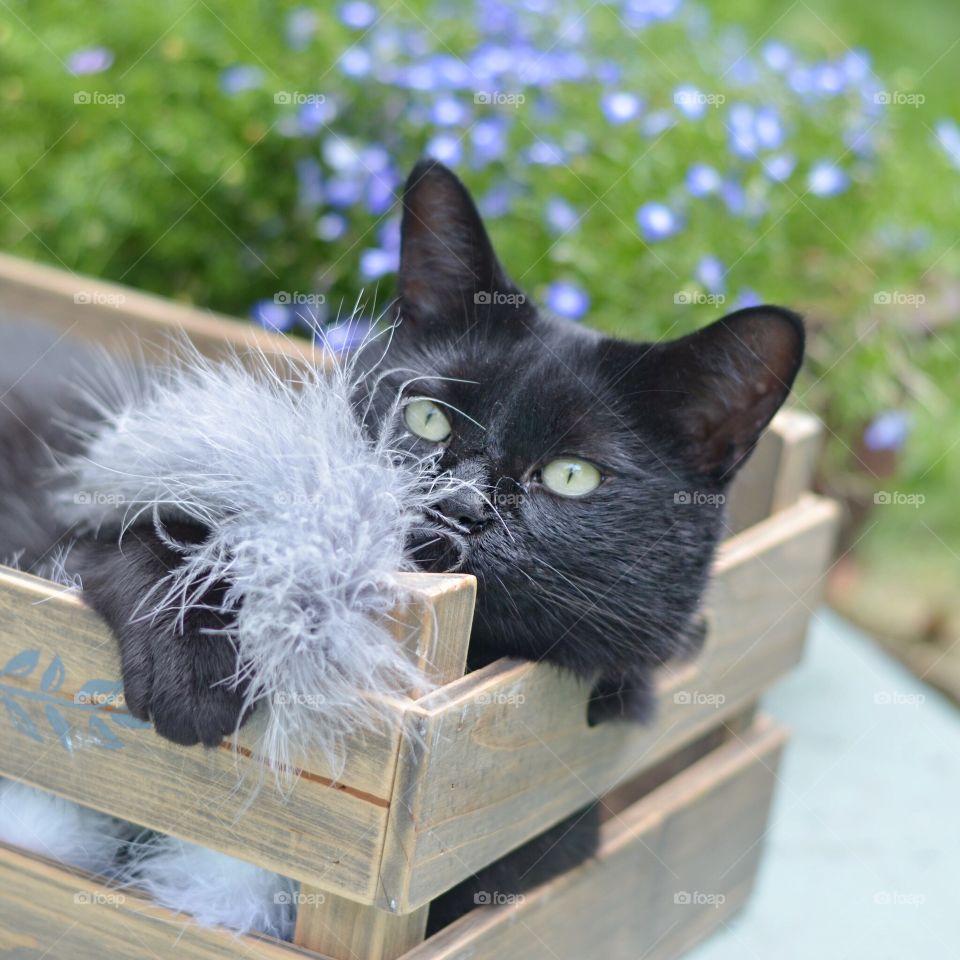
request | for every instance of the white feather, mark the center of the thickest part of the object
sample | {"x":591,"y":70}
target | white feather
{"x":308,"y":516}
{"x":213,"y":888}
{"x":53,"y":827}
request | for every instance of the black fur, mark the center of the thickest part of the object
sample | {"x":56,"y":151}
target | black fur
{"x":606,"y":585}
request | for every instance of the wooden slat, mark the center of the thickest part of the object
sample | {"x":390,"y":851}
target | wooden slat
{"x":344,"y":930}
{"x":120,"y":317}
{"x":670,"y":869}
{"x":699,"y":833}
{"x":47,"y":911}
{"x":496,"y":758}
{"x":325,"y":833}
{"x":779,"y":471}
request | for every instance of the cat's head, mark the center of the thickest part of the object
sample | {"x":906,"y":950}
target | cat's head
{"x":600,"y":460}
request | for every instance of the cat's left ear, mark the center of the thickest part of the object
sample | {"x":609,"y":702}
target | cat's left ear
{"x":715,"y":390}
{"x":447,"y":264}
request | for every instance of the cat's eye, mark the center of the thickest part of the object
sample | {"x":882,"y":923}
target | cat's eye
{"x":425,"y":419}
{"x":570,"y":477}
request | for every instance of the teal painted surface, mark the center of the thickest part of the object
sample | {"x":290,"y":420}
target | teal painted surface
{"x":863,"y":855}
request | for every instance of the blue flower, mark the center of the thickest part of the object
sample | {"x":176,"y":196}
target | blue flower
{"x":620,"y":106}
{"x":300,"y":27}
{"x":314,"y":116}
{"x":948,"y":136}
{"x":712,"y":274}
{"x":496,"y":201}
{"x":690,"y":101}
{"x":388,"y":233}
{"x":702,"y":180}
{"x":567,"y":300}
{"x":887,"y":431}
{"x":344,"y":336}
{"x":779,"y":166}
{"x":653,"y":124}
{"x":272,"y":315}
{"x":562,"y":217}
{"x":355,"y":62}
{"x":331,"y":226}
{"x":357,"y":14}
{"x":310,"y":181}
{"x":344,"y":191}
{"x":546,"y":154}
{"x":446,"y":148}
{"x":89,"y":60}
{"x":657,"y":221}
{"x":375,"y":263}
{"x":767,"y":128}
{"x":488,"y":138}
{"x":240,"y":78}
{"x":747,"y":297}
{"x":734,"y":197}
{"x":828,"y":79}
{"x":448,"y":111}
{"x":855,"y":66}
{"x":777,"y":56}
{"x":381,"y":192}
{"x":826,"y":179}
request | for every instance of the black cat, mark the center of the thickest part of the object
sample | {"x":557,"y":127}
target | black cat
{"x":590,"y":549}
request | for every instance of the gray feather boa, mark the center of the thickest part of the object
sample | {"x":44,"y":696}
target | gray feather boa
{"x":309,"y":519}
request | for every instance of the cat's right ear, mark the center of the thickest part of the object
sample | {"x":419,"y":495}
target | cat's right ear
{"x":447,"y":263}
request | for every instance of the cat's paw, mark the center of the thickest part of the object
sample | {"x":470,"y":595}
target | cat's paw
{"x":181,"y":682}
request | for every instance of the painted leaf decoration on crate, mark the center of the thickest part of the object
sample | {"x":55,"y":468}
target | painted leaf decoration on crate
{"x":104,"y":735}
{"x":101,"y":693}
{"x":21,"y":664}
{"x":22,"y":720}
{"x":53,"y":676}
{"x":60,"y":726}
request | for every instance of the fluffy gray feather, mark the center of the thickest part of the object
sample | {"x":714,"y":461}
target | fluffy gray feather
{"x":308,"y":516}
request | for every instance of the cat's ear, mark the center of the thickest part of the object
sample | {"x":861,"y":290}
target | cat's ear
{"x":720,"y":386}
{"x":447,"y":263}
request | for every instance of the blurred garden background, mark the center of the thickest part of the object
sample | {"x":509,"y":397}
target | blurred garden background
{"x":644,"y":166}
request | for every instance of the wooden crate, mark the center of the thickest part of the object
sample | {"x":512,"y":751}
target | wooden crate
{"x":467,"y":772}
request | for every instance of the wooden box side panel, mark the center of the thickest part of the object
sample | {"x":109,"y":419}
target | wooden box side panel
{"x":507,"y":751}
{"x":670,"y":869}
{"x":64,"y":728}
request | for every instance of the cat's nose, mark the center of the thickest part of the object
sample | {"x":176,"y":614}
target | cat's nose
{"x":467,"y":509}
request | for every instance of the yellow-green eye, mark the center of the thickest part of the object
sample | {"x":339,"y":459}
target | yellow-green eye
{"x":570,"y":477}
{"x":427,"y":420}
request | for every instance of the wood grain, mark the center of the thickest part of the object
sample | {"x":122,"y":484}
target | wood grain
{"x":490,"y":761}
{"x":779,"y":471}
{"x":670,"y":869}
{"x":122,"y":318}
{"x":80,"y":743}
{"x":345,"y":930}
